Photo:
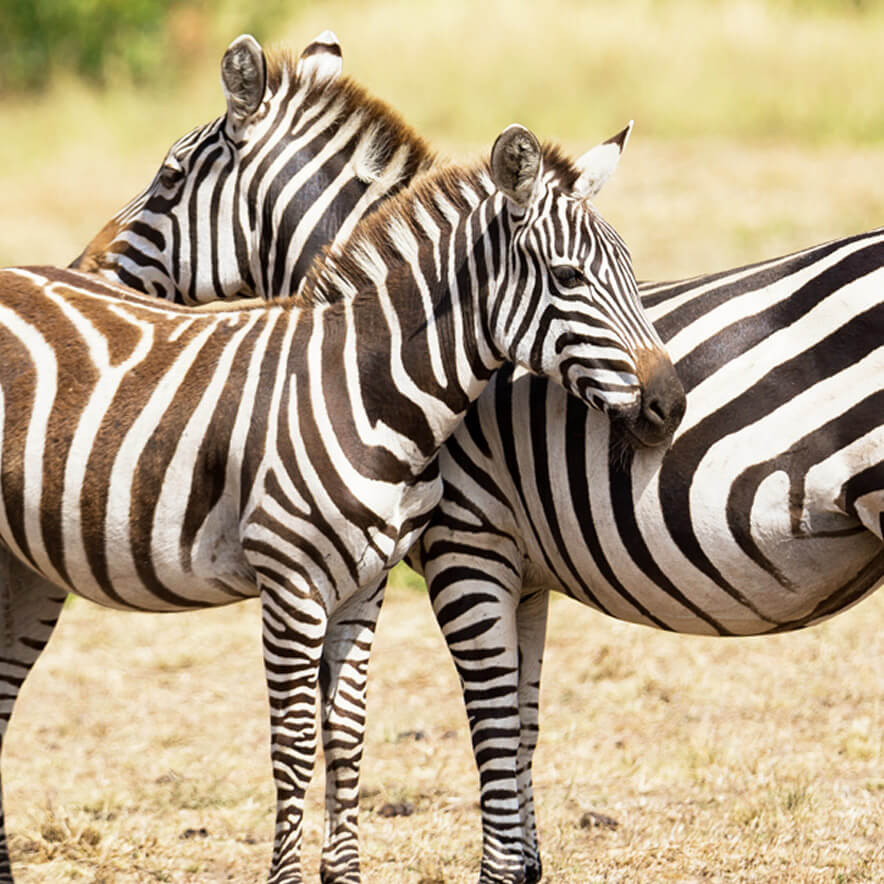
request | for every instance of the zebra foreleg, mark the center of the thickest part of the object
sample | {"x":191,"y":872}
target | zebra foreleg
{"x":29,"y":609}
{"x":532,"y":617}
{"x":342,"y":680}
{"x":476,"y":611}
{"x":293,"y":630}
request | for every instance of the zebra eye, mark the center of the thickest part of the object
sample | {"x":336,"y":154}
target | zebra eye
{"x":568,"y":277}
{"x":171,"y":172}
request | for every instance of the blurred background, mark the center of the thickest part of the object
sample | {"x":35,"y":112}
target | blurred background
{"x":759,"y":123}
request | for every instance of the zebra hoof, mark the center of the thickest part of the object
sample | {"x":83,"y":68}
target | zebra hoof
{"x":533,"y":872}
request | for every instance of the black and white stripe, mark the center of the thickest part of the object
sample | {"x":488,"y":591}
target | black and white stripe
{"x":764,"y":515}
{"x":156,"y":457}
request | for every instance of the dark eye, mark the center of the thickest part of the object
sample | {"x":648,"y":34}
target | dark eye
{"x":171,"y":172}
{"x":568,"y":277}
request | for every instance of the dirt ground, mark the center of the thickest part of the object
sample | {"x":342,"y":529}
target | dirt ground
{"x":138,"y":753}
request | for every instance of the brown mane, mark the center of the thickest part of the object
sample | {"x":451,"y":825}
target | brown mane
{"x":391,"y":129}
{"x":373,"y":231}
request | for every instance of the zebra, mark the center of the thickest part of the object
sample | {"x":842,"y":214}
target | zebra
{"x":240,"y":206}
{"x":157,"y":457}
{"x":238,"y":209}
{"x":765,"y":515}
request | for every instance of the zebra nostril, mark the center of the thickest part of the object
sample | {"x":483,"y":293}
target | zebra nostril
{"x":655,"y":413}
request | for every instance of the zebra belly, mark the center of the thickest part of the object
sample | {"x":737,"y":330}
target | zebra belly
{"x":131,"y":546}
{"x":211,"y":573}
{"x":639,"y":573}
{"x":705,"y":571}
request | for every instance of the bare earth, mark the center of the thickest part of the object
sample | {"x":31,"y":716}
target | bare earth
{"x":138,"y":753}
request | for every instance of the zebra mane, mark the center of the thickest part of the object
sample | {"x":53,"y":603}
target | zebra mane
{"x":340,"y":271}
{"x":388,"y":130}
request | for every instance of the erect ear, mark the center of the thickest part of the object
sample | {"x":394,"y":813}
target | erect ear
{"x":597,"y":165}
{"x":322,"y":60}
{"x":244,"y":78}
{"x":515,"y":163}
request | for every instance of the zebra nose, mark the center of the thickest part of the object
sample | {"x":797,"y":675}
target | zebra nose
{"x":663,"y":400}
{"x":654,"y":410}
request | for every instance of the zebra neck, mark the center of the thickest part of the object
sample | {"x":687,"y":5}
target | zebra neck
{"x":248,"y":218}
{"x":408,"y":342}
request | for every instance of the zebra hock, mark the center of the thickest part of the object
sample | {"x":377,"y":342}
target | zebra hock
{"x":288,"y":450}
{"x":764,"y":515}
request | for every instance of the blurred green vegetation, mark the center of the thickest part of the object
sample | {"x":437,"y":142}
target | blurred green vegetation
{"x":101,"y":40}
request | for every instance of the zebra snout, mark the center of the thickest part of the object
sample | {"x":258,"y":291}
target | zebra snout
{"x":662,"y":403}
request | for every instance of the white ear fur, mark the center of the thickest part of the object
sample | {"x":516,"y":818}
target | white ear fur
{"x":244,"y":78}
{"x":516,"y":164}
{"x":597,"y":165}
{"x":322,"y":60}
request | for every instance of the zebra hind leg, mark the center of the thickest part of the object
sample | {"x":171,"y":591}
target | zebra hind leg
{"x":532,"y":617}
{"x":342,"y":680}
{"x":29,"y":609}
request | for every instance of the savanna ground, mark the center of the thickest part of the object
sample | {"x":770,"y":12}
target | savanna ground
{"x":138,"y":750}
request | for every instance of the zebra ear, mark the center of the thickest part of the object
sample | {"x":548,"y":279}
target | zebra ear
{"x":597,"y":165}
{"x":244,"y":78}
{"x":322,"y":60}
{"x":515,"y":164}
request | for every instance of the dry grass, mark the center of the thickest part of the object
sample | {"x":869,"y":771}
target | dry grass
{"x":138,"y":753}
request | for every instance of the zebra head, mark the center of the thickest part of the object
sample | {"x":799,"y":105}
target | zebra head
{"x":241,"y":205}
{"x":571,"y":308}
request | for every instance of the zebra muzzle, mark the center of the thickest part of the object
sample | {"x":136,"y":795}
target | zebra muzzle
{"x":662,"y":404}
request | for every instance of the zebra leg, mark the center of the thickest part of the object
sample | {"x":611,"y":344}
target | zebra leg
{"x":293,"y":631}
{"x":532,"y":617}
{"x":29,"y":609}
{"x":475,"y":605}
{"x":342,"y":680}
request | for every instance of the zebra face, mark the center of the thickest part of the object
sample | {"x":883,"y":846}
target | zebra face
{"x":218,"y":217}
{"x":572,"y":309}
